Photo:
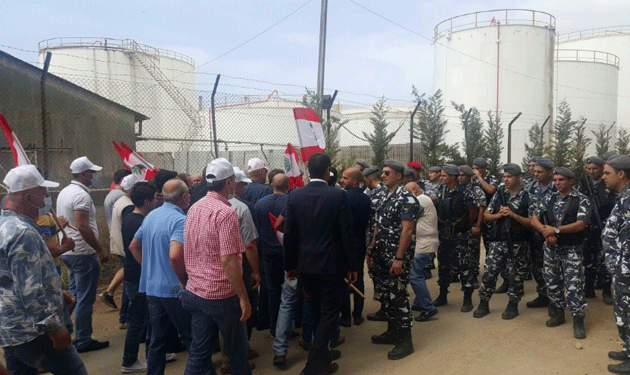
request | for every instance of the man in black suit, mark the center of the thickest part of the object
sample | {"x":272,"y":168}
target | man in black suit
{"x":319,"y":247}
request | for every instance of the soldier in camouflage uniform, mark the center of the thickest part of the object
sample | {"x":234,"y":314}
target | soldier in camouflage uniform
{"x":393,"y":246}
{"x":453,"y":226}
{"x":432,"y":185}
{"x":602,"y":202}
{"x":488,"y":183}
{"x":508,"y":242}
{"x":565,"y":214}
{"x":477,"y":200}
{"x":616,"y":244}
{"x":528,"y":180}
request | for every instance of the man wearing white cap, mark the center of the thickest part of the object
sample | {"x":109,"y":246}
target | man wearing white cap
{"x":215,"y":292}
{"x":257,"y":172}
{"x":33,"y":333}
{"x":75,"y":203}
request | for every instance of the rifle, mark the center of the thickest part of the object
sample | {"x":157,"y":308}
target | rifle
{"x":594,"y":200}
{"x":506,"y":223}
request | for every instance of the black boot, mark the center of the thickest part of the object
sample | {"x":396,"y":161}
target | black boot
{"x":483,"y":309}
{"x":379,"y":316}
{"x":620,"y":368}
{"x":467,"y":306}
{"x":511,"y":311}
{"x":589,"y":286}
{"x":441,"y":299}
{"x":607,"y":294}
{"x":540,"y":301}
{"x":404,"y":345}
{"x":557,"y":316}
{"x":579,"y":332}
{"x":386,"y":338}
{"x":504,"y":287}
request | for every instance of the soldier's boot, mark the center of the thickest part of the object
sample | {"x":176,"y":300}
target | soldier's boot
{"x":557,"y":316}
{"x":579,"y":332}
{"x":504,"y":287}
{"x":441,"y":299}
{"x":386,"y":338}
{"x":379,"y":316}
{"x":511,"y":311}
{"x":606,"y":293}
{"x":540,"y":301}
{"x":404,"y":345}
{"x":589,"y":286}
{"x":483,"y":309}
{"x":467,"y":306}
{"x":620,"y":368}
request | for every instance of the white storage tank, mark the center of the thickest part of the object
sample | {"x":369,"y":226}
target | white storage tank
{"x":614,"y":40}
{"x":153,"y":81}
{"x":588,"y":81}
{"x":499,"y":61}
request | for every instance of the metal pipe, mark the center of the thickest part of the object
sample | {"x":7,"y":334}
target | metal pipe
{"x":322,"y":56}
{"x":542,"y":132}
{"x":214,"y":123}
{"x":411,"y":130}
{"x":498,"y":61}
{"x":466,"y":132}
{"x":44,"y":115}
{"x":509,"y":148}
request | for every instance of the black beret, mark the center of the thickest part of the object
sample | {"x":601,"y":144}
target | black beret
{"x":451,"y":169}
{"x":595,"y":160}
{"x":619,"y":162}
{"x":362,"y":163}
{"x":370,"y":171}
{"x":480,"y":162}
{"x":545,"y":163}
{"x":435,"y":169}
{"x":466,"y":169}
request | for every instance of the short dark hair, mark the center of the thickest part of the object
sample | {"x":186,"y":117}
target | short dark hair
{"x":161,"y":177}
{"x":273,"y":174}
{"x":141,"y":192}
{"x":119,"y":175}
{"x":317,"y":165}
{"x":219,"y":185}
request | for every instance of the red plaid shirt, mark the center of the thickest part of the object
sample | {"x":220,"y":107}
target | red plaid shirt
{"x":211,"y":232}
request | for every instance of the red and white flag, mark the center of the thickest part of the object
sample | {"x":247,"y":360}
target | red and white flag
{"x":135,"y":162}
{"x":19,"y":155}
{"x":292,"y":168}
{"x":310,"y":132}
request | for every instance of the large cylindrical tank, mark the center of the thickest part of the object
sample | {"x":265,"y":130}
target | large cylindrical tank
{"x":152,"y":81}
{"x":588,"y":81}
{"x":498,"y":61}
{"x":614,"y":40}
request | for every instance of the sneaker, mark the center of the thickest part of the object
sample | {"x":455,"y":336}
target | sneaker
{"x":93,"y":345}
{"x":108,"y":299}
{"x":280,"y":361}
{"x":136,"y":367}
{"x":426,"y":315}
{"x":170,"y":357}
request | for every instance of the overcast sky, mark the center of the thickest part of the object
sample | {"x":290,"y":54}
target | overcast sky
{"x":366,"y":56}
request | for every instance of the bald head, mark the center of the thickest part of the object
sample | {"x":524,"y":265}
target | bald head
{"x":414,"y":188}
{"x":280,"y":183}
{"x":351,"y":178}
{"x":173,"y":190}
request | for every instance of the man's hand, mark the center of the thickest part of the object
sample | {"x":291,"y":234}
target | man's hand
{"x":477,"y":173}
{"x":68,"y":299}
{"x":505,"y":211}
{"x":548,"y":230}
{"x":246,"y":308}
{"x":67,"y":244}
{"x":551,"y":240}
{"x":63,"y":221}
{"x":61,"y":338}
{"x":370,"y":262}
{"x":476,"y":231}
{"x":292,"y":275}
{"x":397,"y":267}
{"x":255,"y":280}
{"x":352,"y":277}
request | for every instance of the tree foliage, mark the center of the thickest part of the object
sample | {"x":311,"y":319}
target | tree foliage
{"x":577,"y":153}
{"x":472,"y":125}
{"x":493,"y":140}
{"x":560,"y":152}
{"x":536,"y":145}
{"x":602,"y":139}
{"x":379,"y":139}
{"x":330,"y":129}
{"x":622,"y":145}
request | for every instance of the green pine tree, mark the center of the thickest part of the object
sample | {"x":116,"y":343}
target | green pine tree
{"x":536,"y":145}
{"x":602,"y":139}
{"x":562,"y":129}
{"x":622,"y":145}
{"x":473,"y":132}
{"x":330,"y":129}
{"x":493,"y":139}
{"x":577,"y":154}
{"x":379,"y":139}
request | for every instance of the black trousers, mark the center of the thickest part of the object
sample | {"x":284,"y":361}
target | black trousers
{"x":324,"y":293}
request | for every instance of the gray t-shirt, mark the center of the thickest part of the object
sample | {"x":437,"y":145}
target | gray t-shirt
{"x":245,"y":221}
{"x":108,"y":205}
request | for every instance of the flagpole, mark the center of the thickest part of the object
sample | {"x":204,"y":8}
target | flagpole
{"x":322,"y":56}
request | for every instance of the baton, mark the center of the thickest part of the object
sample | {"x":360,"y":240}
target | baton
{"x":354,"y":288}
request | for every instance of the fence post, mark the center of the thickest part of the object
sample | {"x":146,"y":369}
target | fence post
{"x":214,"y":122}
{"x":411,"y":130}
{"x":509,"y":150}
{"x":44,"y":115}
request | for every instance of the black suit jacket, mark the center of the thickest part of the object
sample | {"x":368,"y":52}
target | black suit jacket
{"x":318,"y":233}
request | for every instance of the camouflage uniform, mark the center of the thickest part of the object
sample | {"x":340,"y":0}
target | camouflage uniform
{"x":562,"y":264}
{"x":431,"y":189}
{"x":484,"y":227}
{"x":453,"y":226}
{"x":536,"y":194}
{"x":477,"y":198}
{"x":375,"y":196}
{"x":526,"y":182}
{"x":392,"y":210}
{"x":498,"y":255}
{"x":616,"y":243}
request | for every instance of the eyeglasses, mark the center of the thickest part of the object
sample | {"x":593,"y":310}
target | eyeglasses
{"x":387,"y":173}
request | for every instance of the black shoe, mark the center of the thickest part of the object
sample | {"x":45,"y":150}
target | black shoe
{"x":415,"y":308}
{"x":386,"y":338}
{"x":336,"y":354}
{"x":441,"y":299}
{"x":503,"y":288}
{"x":540,"y":301}
{"x":404,"y":345}
{"x":280,"y":361}
{"x":618,"y":356}
{"x":345,"y":322}
{"x":475,"y":282}
{"x":108,"y":299}
{"x":590,"y":293}
{"x":467,"y":306}
{"x":511,"y":311}
{"x":379,"y":316}
{"x":621,"y":368}
{"x":557,"y":316}
{"x":607,"y":298}
{"x":358,"y":321}
{"x":482,"y":310}
{"x":93,"y":345}
{"x":426,"y":315}
{"x":579,"y":332}
{"x":427,"y":273}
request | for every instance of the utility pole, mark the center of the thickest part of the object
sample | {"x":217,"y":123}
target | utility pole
{"x":322,"y":57}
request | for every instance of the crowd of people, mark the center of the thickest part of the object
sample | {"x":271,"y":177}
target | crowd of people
{"x":208,"y":258}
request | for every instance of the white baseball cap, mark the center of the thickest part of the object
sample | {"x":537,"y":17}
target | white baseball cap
{"x":255,"y":164}
{"x":26,"y":177}
{"x":83,"y":164}
{"x":219,"y":170}
{"x":240,"y":175}
{"x":128,"y":181}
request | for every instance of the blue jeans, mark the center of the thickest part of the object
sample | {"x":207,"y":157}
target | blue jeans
{"x":162,"y":311}
{"x":286,"y":313}
{"x":208,"y":318}
{"x":419,"y":283}
{"x":138,"y":318}
{"x":26,"y":359}
{"x":83,"y":272}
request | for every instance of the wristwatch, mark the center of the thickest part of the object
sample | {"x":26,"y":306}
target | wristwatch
{"x":397,"y":258}
{"x":557,"y":230}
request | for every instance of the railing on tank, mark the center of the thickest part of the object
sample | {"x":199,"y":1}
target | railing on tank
{"x":112,"y":44}
{"x":525,"y":17}
{"x":588,"y":56}
{"x":594,"y":33}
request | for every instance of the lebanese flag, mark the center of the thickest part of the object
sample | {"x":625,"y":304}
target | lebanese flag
{"x":135,"y":162}
{"x":309,"y":129}
{"x":291,"y":168}
{"x":19,"y":155}
{"x":279,"y":235}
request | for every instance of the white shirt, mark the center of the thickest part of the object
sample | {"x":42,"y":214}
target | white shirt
{"x":427,"y":240}
{"x":76,"y":197}
{"x":116,"y":246}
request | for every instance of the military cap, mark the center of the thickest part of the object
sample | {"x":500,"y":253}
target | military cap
{"x":414,"y":165}
{"x":534,"y":158}
{"x":564,"y":171}
{"x":370,"y":171}
{"x":595,"y":160}
{"x":619,"y":162}
{"x":395,"y":165}
{"x":466,"y":169}
{"x":545,"y":163}
{"x":451,"y":169}
{"x":480,"y":162}
{"x":512,"y":169}
{"x":409,"y":172}
{"x":608,"y":154}
{"x":362,"y":163}
{"x":435,"y":169}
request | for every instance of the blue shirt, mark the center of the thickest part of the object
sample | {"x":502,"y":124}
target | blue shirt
{"x":31,"y":303}
{"x":267,"y":239}
{"x":159,"y":228}
{"x":256,"y":190}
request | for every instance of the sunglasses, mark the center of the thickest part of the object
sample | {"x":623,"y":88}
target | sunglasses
{"x":387,"y":173}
